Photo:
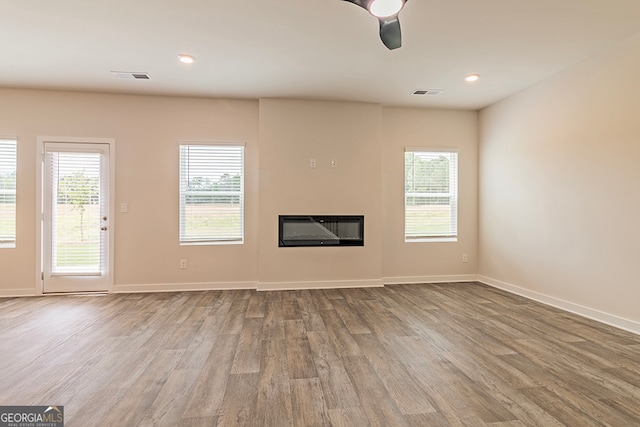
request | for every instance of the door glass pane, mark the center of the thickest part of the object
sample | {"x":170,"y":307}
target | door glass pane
{"x":7,"y":193}
{"x":76,"y":216}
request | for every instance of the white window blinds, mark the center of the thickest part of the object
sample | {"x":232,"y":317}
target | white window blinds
{"x":211,"y":193}
{"x":8,"y":161}
{"x":431,"y":195}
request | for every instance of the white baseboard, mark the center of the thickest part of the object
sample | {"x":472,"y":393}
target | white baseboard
{"x":590,"y":313}
{"x":416,"y":280}
{"x":182,"y":287}
{"x":13,"y":293}
{"x":332,"y":284}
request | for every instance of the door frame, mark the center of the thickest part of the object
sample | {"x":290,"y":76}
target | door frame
{"x":41,"y":140}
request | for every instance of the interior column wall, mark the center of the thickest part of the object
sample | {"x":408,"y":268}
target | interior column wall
{"x":293,"y":132}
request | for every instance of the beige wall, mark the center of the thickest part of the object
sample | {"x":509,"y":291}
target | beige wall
{"x":281,"y":136}
{"x":559,"y":199}
{"x":147,"y":131}
{"x":429,"y":261}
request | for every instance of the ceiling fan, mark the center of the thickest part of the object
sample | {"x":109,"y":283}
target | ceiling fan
{"x":386,"y":11}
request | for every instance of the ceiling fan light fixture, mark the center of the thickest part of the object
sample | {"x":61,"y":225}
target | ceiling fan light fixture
{"x":385,"y":8}
{"x":386,"y":12}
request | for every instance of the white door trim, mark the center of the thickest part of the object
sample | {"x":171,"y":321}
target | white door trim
{"x":41,"y":140}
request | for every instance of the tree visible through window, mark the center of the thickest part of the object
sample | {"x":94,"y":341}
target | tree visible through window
{"x":211,"y":193}
{"x":431,"y":194}
{"x":8,"y":161}
{"x":75,"y":211}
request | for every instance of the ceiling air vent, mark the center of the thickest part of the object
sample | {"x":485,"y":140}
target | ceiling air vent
{"x":427,"y":92}
{"x":130,"y":76}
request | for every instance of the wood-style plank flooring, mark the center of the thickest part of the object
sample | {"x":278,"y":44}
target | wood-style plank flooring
{"x":409,"y":355}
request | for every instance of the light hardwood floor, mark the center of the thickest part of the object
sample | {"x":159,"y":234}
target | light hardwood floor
{"x":406,"y":355}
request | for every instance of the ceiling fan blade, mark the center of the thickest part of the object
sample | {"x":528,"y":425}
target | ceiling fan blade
{"x":390,"y":32}
{"x":389,"y":27}
{"x":362,"y":3}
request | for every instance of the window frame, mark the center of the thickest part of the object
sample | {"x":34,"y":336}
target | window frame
{"x":453,"y":194}
{"x":11,"y":242}
{"x":183,"y":193}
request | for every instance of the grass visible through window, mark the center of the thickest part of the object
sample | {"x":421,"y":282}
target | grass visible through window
{"x":427,"y":220}
{"x":200,"y":221}
{"x":7,"y":220}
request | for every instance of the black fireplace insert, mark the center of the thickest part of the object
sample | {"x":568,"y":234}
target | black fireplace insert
{"x":320,"y":230}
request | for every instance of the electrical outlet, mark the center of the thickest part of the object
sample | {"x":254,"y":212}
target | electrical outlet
{"x":465,"y":258}
{"x":124,"y":207}
{"x":183,"y":263}
{"x":313,"y":163}
{"x":334,"y":163}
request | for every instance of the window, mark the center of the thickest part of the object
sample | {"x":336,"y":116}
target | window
{"x":211,"y":193}
{"x":8,"y":158}
{"x":430,"y":195}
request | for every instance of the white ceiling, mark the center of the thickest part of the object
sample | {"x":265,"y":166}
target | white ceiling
{"x":314,"y":49}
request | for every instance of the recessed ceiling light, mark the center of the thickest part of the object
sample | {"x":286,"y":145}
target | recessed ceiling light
{"x":186,"y":59}
{"x":472,"y":78}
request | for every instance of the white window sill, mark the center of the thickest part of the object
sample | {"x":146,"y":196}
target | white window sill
{"x":432,"y":240}
{"x":213,"y":243}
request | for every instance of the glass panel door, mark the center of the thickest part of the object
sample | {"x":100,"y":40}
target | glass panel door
{"x":76,"y":221}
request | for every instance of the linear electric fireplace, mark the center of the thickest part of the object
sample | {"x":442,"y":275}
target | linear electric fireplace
{"x":320,"y":230}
